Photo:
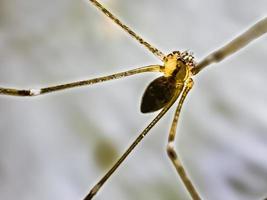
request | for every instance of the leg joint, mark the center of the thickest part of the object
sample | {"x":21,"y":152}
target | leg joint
{"x":170,"y":151}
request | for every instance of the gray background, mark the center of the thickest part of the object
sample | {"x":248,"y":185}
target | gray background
{"x":57,"y":146}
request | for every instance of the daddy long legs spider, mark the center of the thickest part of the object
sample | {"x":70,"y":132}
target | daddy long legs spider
{"x":178,"y":67}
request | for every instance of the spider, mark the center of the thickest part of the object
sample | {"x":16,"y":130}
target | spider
{"x":177,"y":70}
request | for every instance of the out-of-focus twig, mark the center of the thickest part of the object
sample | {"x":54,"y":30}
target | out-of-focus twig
{"x":254,"y":32}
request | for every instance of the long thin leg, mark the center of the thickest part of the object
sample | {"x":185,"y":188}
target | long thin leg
{"x":235,"y":45}
{"x":152,"y":49}
{"x":96,"y":188}
{"x":171,"y":151}
{"x":35,"y":92}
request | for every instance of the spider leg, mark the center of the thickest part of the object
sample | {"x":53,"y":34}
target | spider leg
{"x":152,"y":49}
{"x":96,"y":188}
{"x":254,"y":32}
{"x":170,"y":147}
{"x":35,"y":92}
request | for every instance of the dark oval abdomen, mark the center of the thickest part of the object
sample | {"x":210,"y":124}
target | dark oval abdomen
{"x":158,"y":93}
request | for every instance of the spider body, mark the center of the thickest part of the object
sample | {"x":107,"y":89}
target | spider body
{"x":177,"y":70}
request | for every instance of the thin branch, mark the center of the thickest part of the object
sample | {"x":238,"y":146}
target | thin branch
{"x":235,"y":45}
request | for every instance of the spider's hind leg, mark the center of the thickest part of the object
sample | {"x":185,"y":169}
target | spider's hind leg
{"x":56,"y":88}
{"x":170,"y":147}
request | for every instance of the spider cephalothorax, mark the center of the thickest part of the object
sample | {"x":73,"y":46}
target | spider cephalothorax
{"x":178,"y":61}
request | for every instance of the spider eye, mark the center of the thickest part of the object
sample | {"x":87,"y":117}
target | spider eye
{"x":188,"y":58}
{"x":177,"y":53}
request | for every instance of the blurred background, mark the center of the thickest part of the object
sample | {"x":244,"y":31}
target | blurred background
{"x":57,"y":146}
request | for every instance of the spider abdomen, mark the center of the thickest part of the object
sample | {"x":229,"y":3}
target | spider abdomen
{"x":158,"y":93}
